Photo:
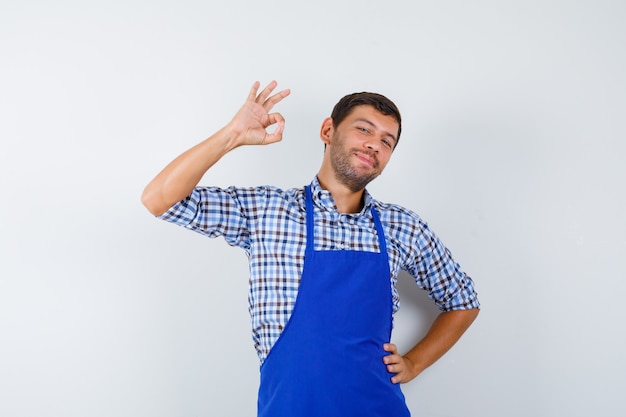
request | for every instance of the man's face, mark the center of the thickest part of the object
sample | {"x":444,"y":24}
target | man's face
{"x":361,"y":146}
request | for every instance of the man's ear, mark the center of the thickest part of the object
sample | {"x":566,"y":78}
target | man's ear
{"x":327,"y":130}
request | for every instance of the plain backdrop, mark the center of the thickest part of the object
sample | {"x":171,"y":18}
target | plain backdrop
{"x":513,"y":151}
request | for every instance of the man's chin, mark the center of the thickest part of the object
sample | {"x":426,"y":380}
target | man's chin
{"x":357,"y":184}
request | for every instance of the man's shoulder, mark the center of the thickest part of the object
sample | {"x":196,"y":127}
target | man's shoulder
{"x":270,"y":195}
{"x":396,"y":211}
{"x":256,"y":189}
{"x":402,"y":223}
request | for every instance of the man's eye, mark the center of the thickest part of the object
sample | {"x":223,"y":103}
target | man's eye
{"x":387,"y":143}
{"x":363,"y":129}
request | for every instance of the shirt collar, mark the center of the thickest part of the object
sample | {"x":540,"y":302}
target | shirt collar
{"x":324,"y":199}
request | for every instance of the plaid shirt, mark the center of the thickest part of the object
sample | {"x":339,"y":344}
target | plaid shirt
{"x":269,"y":224}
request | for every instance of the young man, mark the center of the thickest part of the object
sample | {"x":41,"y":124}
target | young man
{"x":324,"y":260}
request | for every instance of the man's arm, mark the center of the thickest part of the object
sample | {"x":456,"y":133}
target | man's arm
{"x":445,"y":331}
{"x":248,"y":127}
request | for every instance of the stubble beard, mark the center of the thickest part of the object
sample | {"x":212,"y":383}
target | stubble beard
{"x":345,"y":172}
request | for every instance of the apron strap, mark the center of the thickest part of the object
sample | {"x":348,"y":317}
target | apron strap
{"x":379,"y":231}
{"x":310,"y":224}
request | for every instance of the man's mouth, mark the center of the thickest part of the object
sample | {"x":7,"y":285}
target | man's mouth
{"x":368,"y":159}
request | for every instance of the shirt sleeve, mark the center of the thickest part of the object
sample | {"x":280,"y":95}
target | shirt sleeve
{"x":437,"y":272}
{"x":213,"y":212}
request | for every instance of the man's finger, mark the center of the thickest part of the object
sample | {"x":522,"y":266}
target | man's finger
{"x":274,"y":118}
{"x":270,"y":102}
{"x":390,"y":347}
{"x":277,"y":134}
{"x":266,"y":92}
{"x":253,"y":90}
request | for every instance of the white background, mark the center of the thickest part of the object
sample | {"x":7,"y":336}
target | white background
{"x":513,"y":150}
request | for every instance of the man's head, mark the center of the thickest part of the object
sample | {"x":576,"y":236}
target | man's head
{"x":359,"y":138}
{"x":381,"y":103}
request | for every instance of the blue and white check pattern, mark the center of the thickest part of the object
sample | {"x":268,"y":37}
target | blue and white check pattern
{"x":269,"y":224}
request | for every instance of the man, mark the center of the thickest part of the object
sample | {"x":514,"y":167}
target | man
{"x":323,"y":261}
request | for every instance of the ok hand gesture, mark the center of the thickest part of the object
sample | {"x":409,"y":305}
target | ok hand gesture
{"x":252,"y":120}
{"x":248,"y":127}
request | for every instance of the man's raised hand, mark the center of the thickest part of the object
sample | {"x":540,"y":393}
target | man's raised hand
{"x":253,"y":118}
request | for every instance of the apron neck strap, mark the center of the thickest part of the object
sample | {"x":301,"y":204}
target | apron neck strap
{"x":310,"y":224}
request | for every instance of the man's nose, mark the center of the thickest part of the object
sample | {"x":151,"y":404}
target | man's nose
{"x":372,"y":145}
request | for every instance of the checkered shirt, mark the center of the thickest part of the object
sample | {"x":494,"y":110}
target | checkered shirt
{"x":269,"y":224}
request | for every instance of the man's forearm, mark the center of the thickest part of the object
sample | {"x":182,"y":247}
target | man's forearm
{"x":178,"y":179}
{"x":445,"y":331}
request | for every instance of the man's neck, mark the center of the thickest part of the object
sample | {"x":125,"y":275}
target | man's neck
{"x":346,"y":200}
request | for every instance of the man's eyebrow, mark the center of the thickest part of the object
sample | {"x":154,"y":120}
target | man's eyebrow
{"x":369,"y":122}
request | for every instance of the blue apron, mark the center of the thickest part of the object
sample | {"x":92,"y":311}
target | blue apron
{"x":328,"y":360}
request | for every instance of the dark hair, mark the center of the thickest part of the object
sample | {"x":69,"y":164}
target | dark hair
{"x":381,"y":103}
